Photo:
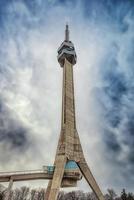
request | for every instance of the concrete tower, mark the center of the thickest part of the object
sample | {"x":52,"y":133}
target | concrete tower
{"x":69,"y":155}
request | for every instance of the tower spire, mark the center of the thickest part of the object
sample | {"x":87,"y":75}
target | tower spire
{"x":67,"y":33}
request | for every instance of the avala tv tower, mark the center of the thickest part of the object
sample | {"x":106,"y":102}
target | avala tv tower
{"x":69,"y":155}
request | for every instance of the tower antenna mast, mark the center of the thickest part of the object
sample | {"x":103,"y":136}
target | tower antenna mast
{"x":67,"y":33}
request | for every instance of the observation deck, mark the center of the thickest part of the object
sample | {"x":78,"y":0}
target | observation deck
{"x":66,"y":50}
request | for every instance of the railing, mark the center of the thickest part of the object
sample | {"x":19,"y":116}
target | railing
{"x":45,"y":173}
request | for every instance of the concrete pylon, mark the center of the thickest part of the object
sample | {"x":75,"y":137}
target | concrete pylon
{"x":69,"y":148}
{"x":7,"y":196}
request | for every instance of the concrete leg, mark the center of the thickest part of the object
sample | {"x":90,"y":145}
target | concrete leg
{"x":48,"y":190}
{"x":85,"y":170}
{"x":57,"y":177}
{"x":9,"y":189}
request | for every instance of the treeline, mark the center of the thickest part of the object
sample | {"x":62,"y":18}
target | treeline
{"x":25,"y":193}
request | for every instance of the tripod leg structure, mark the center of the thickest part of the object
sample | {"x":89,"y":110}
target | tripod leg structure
{"x":85,"y":170}
{"x":55,"y":184}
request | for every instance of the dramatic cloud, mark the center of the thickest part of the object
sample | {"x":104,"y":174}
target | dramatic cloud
{"x":31,"y":78}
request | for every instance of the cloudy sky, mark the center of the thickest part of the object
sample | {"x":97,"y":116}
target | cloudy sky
{"x":31,"y":83}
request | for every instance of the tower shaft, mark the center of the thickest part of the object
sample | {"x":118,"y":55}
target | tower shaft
{"x":68,"y":124}
{"x":68,"y":106}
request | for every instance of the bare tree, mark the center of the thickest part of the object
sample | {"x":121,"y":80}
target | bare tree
{"x":1,"y":195}
{"x":16,"y":194}
{"x":41,"y":194}
{"x":61,"y":196}
{"x":91,"y":196}
{"x":71,"y":196}
{"x":111,"y":194}
{"x":33,"y":191}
